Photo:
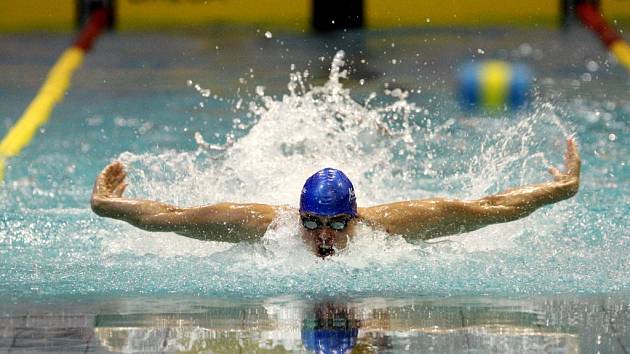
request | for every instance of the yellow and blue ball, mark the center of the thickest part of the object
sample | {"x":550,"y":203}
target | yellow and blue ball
{"x":494,"y":85}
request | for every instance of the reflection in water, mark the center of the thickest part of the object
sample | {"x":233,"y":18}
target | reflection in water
{"x":332,"y":329}
{"x":479,"y":325}
{"x":368,"y":326}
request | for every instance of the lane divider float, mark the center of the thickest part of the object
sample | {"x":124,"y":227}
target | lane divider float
{"x":494,"y":86}
{"x":52,"y":91}
{"x":592,"y":18}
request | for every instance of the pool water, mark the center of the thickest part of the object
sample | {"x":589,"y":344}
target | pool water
{"x":232,"y":115}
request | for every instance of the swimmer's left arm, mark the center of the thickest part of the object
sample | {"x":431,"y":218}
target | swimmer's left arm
{"x":426,"y":219}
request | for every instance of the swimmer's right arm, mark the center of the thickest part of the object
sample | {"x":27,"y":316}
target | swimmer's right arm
{"x":226,"y":222}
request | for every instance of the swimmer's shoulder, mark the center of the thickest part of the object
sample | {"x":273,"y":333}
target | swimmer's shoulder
{"x":284,"y":209}
{"x":397,"y":218}
{"x":278,"y":215}
{"x":275,"y":212}
{"x":372,"y":217}
{"x":252,"y":208}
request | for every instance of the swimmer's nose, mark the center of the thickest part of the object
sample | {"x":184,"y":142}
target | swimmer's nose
{"x":325,"y":237}
{"x":325,"y":233}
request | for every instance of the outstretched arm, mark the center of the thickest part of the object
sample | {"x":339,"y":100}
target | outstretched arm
{"x":220,"y":222}
{"x":426,"y":219}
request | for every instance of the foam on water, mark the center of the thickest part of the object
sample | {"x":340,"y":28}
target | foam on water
{"x":391,"y":149}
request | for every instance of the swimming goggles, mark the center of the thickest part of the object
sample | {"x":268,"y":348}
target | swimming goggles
{"x":313,"y":223}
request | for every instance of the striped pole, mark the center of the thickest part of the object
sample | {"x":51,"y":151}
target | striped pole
{"x":52,"y":91}
{"x":591,"y":18}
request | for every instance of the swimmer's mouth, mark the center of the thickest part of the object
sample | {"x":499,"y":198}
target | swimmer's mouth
{"x":325,"y":251}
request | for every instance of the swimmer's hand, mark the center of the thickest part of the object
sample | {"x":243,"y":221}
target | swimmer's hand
{"x":110,"y":183}
{"x":570,"y":177}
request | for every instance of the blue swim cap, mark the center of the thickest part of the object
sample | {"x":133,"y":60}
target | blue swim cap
{"x":328,"y":192}
{"x":330,"y":340}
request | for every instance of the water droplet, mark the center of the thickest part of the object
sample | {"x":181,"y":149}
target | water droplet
{"x":268,"y":34}
{"x":525,"y":49}
{"x":592,"y":66}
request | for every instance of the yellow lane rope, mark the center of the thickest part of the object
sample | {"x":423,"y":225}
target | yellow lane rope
{"x":53,"y":90}
{"x":38,"y":112}
{"x":621,"y":50}
{"x":590,"y":14}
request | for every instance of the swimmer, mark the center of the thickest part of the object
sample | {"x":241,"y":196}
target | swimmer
{"x":328,"y":210}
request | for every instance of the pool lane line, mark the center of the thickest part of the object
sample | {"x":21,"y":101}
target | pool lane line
{"x":591,"y":18}
{"x":52,"y":91}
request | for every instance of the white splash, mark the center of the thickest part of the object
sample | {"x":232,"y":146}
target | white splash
{"x":391,"y":151}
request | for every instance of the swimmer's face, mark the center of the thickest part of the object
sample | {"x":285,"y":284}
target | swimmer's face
{"x":324,"y":234}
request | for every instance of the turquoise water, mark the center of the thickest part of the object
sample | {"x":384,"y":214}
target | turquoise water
{"x":392,"y":147}
{"x":210,"y":117}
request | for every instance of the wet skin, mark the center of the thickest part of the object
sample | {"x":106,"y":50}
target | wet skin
{"x":325,"y":240}
{"x":411,"y":219}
